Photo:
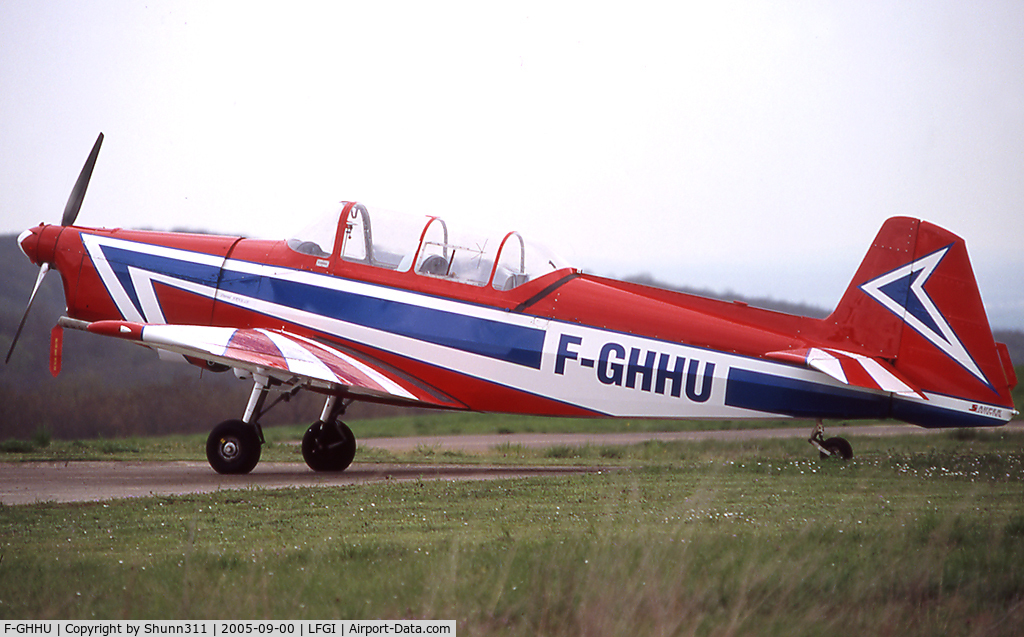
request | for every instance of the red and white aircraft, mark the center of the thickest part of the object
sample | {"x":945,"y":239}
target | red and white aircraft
{"x":366,"y":305}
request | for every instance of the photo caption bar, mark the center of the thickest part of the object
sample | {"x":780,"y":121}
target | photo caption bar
{"x":225,"y":628}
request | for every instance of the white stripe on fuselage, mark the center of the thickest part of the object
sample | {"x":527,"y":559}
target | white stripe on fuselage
{"x":602,"y":384}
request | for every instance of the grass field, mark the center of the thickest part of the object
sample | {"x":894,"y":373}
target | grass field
{"x":40,"y":445}
{"x":915,"y":536}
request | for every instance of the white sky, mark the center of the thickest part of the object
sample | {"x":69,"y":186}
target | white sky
{"x":749,"y":146}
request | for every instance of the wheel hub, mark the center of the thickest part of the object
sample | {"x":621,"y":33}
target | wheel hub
{"x":229,"y":449}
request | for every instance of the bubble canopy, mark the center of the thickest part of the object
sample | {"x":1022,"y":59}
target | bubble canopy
{"x":426,"y":246}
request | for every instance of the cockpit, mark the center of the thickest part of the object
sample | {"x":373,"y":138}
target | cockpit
{"x":424,"y":245}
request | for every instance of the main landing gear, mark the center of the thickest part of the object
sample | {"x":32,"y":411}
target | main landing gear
{"x":234,"y":446}
{"x":835,"y":447}
{"x":329,"y":444}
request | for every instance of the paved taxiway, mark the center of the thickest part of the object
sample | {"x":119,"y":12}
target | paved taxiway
{"x":31,"y":482}
{"x":25,"y":483}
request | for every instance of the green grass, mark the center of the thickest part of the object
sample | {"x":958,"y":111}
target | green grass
{"x":281,"y":447}
{"x":915,"y":536}
{"x":466,"y":423}
{"x":42,"y":447}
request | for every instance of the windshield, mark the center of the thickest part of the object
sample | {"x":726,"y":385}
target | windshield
{"x":395,"y":241}
{"x":317,"y":239}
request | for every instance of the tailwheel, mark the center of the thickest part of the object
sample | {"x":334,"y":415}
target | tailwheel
{"x":233,"y":447}
{"x":835,"y":447}
{"x":328,"y":446}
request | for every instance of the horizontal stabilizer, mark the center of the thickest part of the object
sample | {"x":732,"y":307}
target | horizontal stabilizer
{"x":850,"y":369}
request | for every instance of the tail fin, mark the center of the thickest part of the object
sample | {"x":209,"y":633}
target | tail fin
{"x":914,"y":302}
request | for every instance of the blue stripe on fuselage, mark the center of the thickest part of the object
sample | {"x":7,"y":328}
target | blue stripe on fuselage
{"x":120,"y":260}
{"x":758,"y":391}
{"x":924,"y":415}
{"x":801,"y":399}
{"x":494,"y":339}
{"x":502,"y":341}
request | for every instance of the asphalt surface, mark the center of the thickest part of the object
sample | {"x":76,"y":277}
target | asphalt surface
{"x":30,"y":482}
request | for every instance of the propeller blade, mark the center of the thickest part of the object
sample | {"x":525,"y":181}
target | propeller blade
{"x":43,"y":269}
{"x":78,"y":192}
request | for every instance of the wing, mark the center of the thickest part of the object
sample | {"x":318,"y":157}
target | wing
{"x":851,"y":369}
{"x":289,"y":358}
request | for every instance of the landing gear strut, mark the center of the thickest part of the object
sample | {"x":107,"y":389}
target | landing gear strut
{"x":830,"y":447}
{"x":328,"y":444}
{"x":234,"y":446}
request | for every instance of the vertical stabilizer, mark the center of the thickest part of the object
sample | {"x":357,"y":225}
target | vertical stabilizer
{"x":915,"y":302}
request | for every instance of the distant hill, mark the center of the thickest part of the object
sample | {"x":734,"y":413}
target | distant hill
{"x":111,"y":388}
{"x":768,"y":303}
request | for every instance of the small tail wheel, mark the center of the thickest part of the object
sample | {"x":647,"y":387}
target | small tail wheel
{"x":328,"y":446}
{"x":233,"y":447}
{"x":838,"y":448}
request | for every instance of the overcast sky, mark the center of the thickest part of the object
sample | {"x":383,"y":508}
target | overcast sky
{"x":749,"y":146}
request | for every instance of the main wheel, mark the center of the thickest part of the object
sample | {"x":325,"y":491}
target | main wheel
{"x":328,"y":447}
{"x":233,"y":447}
{"x":837,"y":447}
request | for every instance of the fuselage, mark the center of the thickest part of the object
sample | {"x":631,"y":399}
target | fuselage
{"x":563,"y":343}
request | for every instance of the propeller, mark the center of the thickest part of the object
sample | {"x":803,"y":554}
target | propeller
{"x":71,"y":210}
{"x":78,"y":192}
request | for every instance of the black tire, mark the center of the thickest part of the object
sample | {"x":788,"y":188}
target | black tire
{"x":233,"y":447}
{"x":328,"y":447}
{"x":838,"y":447}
